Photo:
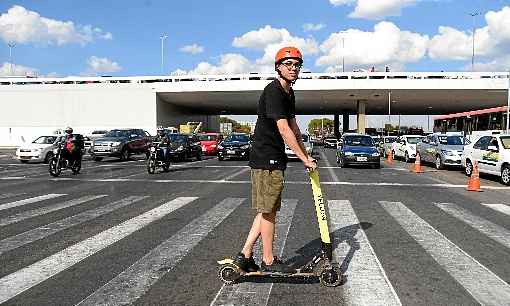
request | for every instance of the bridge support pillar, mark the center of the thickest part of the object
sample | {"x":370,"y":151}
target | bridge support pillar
{"x":361,"y":117}
{"x":345,"y":122}
{"x":336,"y":126}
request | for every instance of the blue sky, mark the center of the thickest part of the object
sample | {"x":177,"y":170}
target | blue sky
{"x":107,"y":37}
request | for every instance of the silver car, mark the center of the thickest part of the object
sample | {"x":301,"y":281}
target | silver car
{"x":442,"y":149}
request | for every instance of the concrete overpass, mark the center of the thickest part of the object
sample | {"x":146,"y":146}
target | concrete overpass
{"x":107,"y":102}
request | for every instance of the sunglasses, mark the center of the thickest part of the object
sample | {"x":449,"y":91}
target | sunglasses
{"x":290,"y":65}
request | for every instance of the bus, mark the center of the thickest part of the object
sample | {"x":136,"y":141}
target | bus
{"x":473,"y":123}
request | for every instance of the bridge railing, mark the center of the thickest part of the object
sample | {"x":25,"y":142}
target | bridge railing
{"x":252,"y":76}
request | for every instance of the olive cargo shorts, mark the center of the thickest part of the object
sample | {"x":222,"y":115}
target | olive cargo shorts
{"x":266,"y":190}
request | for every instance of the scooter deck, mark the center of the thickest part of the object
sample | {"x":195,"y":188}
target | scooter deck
{"x":298,"y":273}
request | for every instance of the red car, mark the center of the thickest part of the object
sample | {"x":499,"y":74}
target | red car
{"x":209,"y":143}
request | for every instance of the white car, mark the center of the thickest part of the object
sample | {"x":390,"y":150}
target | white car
{"x":308,"y":146}
{"x":40,"y":150}
{"x":405,"y":147}
{"x":492,"y":152}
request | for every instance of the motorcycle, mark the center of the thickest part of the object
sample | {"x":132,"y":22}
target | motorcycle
{"x":58,"y":163}
{"x":157,"y":159}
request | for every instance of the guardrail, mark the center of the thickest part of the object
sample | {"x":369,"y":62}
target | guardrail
{"x":7,"y":81}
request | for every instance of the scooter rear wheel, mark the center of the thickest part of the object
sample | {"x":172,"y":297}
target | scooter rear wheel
{"x":229,"y":274}
{"x":331,"y":277}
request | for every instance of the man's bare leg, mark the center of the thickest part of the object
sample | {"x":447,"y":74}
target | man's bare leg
{"x":252,"y":236}
{"x":267,"y":229}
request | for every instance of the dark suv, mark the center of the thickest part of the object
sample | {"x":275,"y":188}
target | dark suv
{"x":120,"y":143}
{"x":183,"y":147}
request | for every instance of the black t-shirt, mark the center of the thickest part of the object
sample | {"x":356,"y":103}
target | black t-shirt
{"x":268,"y":149}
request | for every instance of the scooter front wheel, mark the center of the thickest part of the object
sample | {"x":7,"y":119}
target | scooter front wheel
{"x":151,"y":165}
{"x":229,"y":274}
{"x":331,"y":277}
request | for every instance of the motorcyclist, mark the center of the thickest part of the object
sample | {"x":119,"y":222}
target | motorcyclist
{"x":164,"y":141}
{"x":73,"y":144}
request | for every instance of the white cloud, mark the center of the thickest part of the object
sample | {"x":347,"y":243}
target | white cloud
{"x":192,"y":49}
{"x":386,"y":45}
{"x":492,"y":42}
{"x":97,"y":65}
{"x":17,"y":70}
{"x":23,"y":26}
{"x":310,"y":27}
{"x":375,"y":9}
{"x":230,"y":63}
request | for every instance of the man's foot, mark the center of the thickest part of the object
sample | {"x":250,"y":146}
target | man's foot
{"x":246,"y":264}
{"x":276,"y":266}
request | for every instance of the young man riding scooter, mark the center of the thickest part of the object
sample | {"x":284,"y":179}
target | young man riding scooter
{"x":276,"y":126}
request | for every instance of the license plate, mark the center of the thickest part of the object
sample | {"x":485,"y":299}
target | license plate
{"x":361,"y":159}
{"x":231,"y":152}
{"x":25,"y":157}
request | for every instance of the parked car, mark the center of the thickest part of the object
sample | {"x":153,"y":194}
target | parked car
{"x":330,"y":142}
{"x":405,"y":147}
{"x":306,"y":142}
{"x":386,"y":143}
{"x":121,"y":143}
{"x":441,"y":149}
{"x":39,"y":150}
{"x":492,"y":152}
{"x":235,"y":146}
{"x":183,"y":147}
{"x":210,"y":142}
{"x":357,"y":149}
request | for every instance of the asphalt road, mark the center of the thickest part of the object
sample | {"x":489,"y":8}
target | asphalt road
{"x":115,"y":235}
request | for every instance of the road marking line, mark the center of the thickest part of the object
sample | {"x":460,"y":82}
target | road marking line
{"x":52,"y":228}
{"x":502,"y":208}
{"x":28,"y":277}
{"x":47,"y":209}
{"x":367,"y":282}
{"x":129,"y":285}
{"x":250,"y":293}
{"x":30,"y":200}
{"x":489,"y":229}
{"x":236,"y":174}
{"x":486,"y":287}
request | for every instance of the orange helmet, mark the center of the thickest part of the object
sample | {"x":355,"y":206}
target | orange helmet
{"x":288,"y":52}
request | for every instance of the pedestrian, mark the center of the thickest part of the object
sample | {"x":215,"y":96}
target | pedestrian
{"x":276,"y":126}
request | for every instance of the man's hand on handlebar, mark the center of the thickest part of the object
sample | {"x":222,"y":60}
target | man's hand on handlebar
{"x":310,"y":164}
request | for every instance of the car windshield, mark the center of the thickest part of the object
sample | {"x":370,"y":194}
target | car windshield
{"x":451,"y":140}
{"x":177,"y":138}
{"x":208,"y":137}
{"x":390,"y":140}
{"x":362,"y":141}
{"x":414,"y":140}
{"x":99,"y":132}
{"x":505,"y":140}
{"x":238,"y":138}
{"x":118,"y":133}
{"x":45,"y":140}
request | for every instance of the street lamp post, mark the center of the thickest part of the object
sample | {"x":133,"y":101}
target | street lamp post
{"x":473,"y":15}
{"x":389,"y":112}
{"x":162,"y":37}
{"x":343,"y":49}
{"x":11,"y":45}
{"x":508,"y":105}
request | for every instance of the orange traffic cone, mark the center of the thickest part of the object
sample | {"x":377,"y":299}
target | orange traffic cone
{"x":417,"y":163}
{"x":390,"y":157}
{"x":474,"y":179}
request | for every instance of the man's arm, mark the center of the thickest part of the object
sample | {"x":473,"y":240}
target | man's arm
{"x":291,"y":140}
{"x":297,"y":133}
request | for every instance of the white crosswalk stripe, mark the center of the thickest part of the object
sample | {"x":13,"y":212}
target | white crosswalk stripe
{"x":47,"y":209}
{"x":489,"y":229}
{"x":367,"y":282}
{"x":502,"y":208}
{"x":49,"y":229}
{"x":24,"y":279}
{"x":486,"y":287}
{"x":30,"y":201}
{"x":258,"y":293}
{"x":137,"y":279}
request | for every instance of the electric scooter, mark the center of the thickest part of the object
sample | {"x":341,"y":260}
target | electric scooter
{"x":320,"y":266}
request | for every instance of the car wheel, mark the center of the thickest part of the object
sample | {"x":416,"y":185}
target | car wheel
{"x":439,"y":163}
{"x":220,"y":158}
{"x":199,"y":156}
{"x":505,"y":175}
{"x":124,"y":155}
{"x":406,"y":157}
{"x":469,"y":168}
{"x":48,"y":157}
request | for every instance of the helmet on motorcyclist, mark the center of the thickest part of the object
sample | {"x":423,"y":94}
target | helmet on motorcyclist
{"x":160,"y":130}
{"x":288,"y":53}
{"x":69,"y":130}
